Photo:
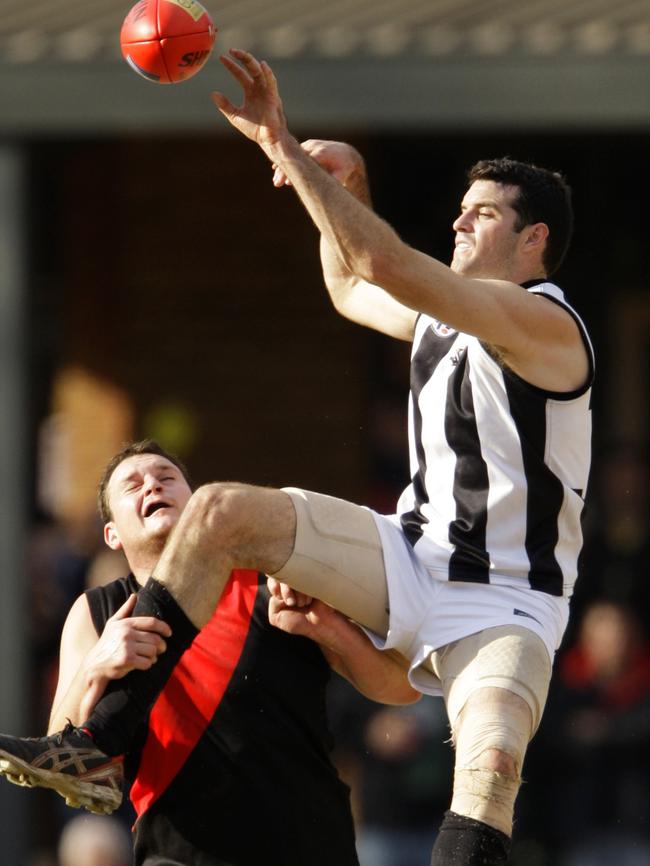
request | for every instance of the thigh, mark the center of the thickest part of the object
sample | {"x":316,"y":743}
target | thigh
{"x":337,"y":557}
{"x":507,"y":657}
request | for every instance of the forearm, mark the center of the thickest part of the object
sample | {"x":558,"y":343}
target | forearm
{"x":351,"y":232}
{"x":380,"y":676}
{"x":85,"y":690}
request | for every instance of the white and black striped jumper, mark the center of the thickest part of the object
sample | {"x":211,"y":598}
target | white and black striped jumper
{"x":499,"y":467}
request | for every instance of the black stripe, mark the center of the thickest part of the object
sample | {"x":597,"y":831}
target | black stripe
{"x":431,"y":350}
{"x":470,"y":560}
{"x":545,"y":494}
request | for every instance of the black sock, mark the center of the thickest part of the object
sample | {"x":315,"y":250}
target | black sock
{"x":466,"y":842}
{"x":127,"y":701}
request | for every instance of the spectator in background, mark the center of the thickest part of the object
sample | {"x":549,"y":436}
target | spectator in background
{"x":594,"y":747}
{"x":617,"y":531}
{"x":91,"y":841}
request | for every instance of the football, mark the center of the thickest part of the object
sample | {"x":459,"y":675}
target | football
{"x":167,"y":41}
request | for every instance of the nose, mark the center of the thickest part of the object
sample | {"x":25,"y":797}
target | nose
{"x":152,"y":484}
{"x":462,"y":223}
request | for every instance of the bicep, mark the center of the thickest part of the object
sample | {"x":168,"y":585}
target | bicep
{"x":369,"y":305}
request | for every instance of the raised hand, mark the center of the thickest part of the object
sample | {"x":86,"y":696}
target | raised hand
{"x":260,"y":117}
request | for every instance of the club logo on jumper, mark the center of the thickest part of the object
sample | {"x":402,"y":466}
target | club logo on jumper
{"x":456,"y":358}
{"x":441,"y":330}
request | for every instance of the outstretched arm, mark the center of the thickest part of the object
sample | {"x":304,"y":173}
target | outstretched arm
{"x":360,"y":301}
{"x":380,"y":676}
{"x":536,"y":337}
{"x":88,"y":662}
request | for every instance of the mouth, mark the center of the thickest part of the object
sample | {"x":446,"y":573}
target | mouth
{"x":153,"y":507}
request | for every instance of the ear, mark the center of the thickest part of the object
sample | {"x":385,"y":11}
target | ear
{"x":111,"y":537}
{"x":535,"y":237}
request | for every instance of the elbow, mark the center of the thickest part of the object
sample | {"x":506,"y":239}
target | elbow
{"x":397,"y":693}
{"x":379,"y":262}
{"x":379,"y":267}
{"x":404,"y":697}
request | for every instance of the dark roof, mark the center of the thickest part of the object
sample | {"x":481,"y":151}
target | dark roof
{"x":75,"y":31}
{"x":367,"y":63}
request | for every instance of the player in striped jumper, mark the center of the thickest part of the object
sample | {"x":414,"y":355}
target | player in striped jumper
{"x":471,"y":578}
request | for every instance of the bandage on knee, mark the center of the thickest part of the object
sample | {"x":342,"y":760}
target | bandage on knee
{"x":493,"y":720}
{"x":338,"y":558}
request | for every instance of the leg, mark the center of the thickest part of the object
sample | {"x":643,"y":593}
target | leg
{"x":224,"y":526}
{"x":491,"y":737}
{"x":325,"y":547}
{"x":495,"y":685}
{"x":337,"y":557}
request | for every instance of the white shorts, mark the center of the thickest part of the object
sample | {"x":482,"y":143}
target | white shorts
{"x":428,"y":612}
{"x":360,"y":563}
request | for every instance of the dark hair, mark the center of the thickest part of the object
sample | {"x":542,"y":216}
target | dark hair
{"x":144,"y":446}
{"x":544,"y":197}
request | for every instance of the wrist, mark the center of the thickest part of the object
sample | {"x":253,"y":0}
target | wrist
{"x":339,"y":635}
{"x":285,"y":151}
{"x":95,"y":678}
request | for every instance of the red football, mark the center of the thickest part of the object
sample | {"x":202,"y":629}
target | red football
{"x":167,"y":41}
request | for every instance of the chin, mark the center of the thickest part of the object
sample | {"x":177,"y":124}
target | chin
{"x":463,"y":268}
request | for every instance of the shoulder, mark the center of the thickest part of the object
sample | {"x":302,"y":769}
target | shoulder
{"x":104,"y":601}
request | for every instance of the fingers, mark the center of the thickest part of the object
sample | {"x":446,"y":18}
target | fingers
{"x":269,"y":77}
{"x":279,"y":177}
{"x":293,"y":598}
{"x":126,"y":609}
{"x":149,"y":646}
{"x":142,"y":623}
{"x":150,"y":624}
{"x":224,"y":105}
{"x":249,"y":71}
{"x":142,"y":652}
{"x":245,"y":75}
{"x":286,"y":595}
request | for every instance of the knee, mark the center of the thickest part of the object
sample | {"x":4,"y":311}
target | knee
{"x":214,"y":512}
{"x":491,"y":741}
{"x":498,"y":761}
{"x":493,"y":731}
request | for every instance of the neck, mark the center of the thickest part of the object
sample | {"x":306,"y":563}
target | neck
{"x":528,"y":275}
{"x":142,"y":564}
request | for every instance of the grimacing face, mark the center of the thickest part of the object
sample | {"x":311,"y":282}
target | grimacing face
{"x":146,"y":494}
{"x":487,"y":244}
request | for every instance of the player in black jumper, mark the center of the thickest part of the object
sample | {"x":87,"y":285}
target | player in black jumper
{"x":235,"y":733}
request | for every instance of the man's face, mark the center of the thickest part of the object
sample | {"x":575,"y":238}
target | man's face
{"x":146,"y":494}
{"x":486,"y":241}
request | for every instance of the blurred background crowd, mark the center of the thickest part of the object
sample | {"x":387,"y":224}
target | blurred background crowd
{"x":159,"y":286}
